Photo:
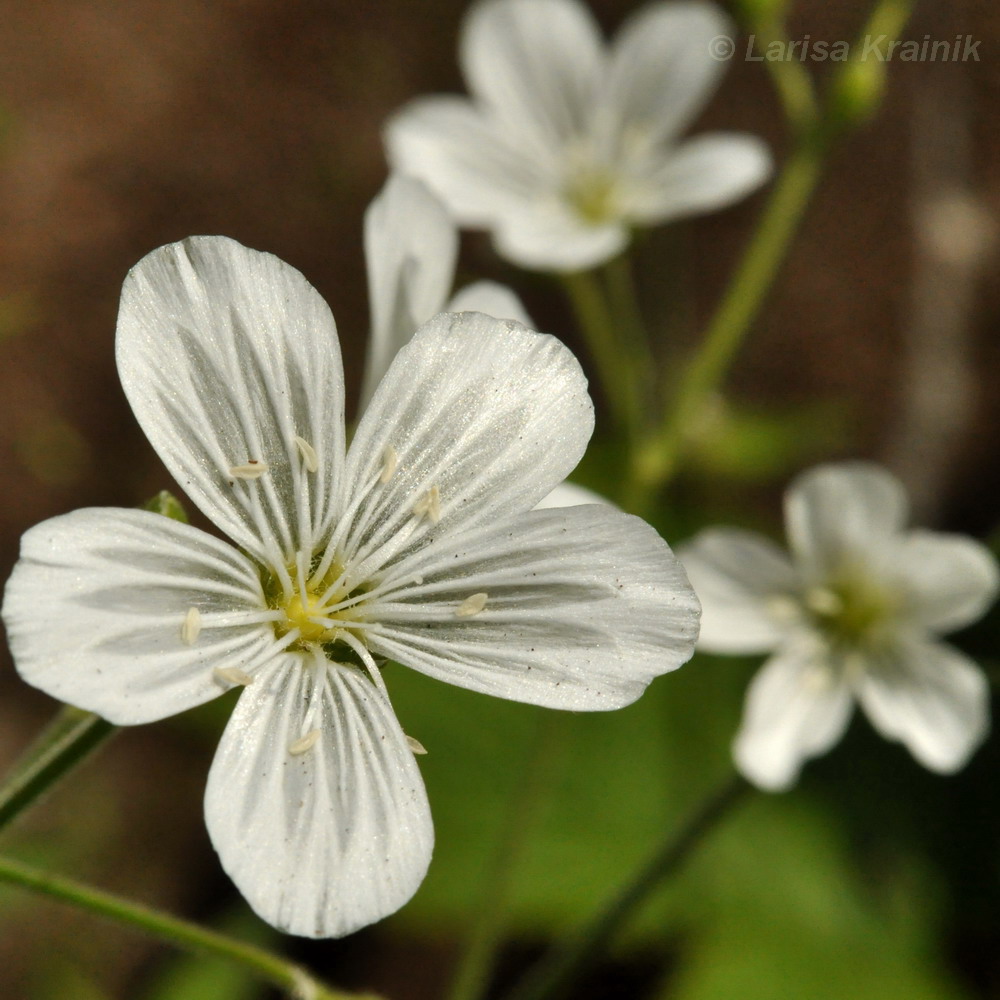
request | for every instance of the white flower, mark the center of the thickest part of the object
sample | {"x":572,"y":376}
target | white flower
{"x":417,"y":545}
{"x":567,"y":143}
{"x":411,"y":245}
{"x":855,"y":613}
{"x":571,"y":495}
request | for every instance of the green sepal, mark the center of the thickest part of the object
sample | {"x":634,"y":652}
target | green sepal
{"x":168,"y":505}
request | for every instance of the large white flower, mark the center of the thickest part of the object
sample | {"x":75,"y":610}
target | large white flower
{"x":566,"y":144}
{"x":855,"y":613}
{"x":418,"y":544}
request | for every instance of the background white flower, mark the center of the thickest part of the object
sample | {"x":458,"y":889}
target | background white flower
{"x":411,"y":245}
{"x":855,"y":613}
{"x":417,"y":545}
{"x":566,"y":144}
{"x":410,"y":248}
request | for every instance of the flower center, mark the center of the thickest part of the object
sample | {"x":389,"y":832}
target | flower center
{"x":591,"y":191}
{"x":851,"y":610}
{"x":320,"y":610}
{"x":301,"y":613}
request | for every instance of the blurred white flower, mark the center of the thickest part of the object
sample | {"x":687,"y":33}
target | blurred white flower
{"x":567,"y":143}
{"x":411,"y":245}
{"x":418,"y":544}
{"x":855,"y":613}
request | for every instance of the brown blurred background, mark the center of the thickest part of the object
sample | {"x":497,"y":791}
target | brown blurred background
{"x":130,"y":125}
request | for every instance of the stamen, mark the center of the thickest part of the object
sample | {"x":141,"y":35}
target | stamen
{"x":253,"y":469}
{"x":817,"y":679}
{"x":784,"y":608}
{"x":304,"y":743}
{"x":232,"y":675}
{"x":415,"y":745}
{"x":308,"y":453}
{"x":191,"y":626}
{"x":389,"y":462}
{"x":429,"y":505}
{"x":823,"y":601}
{"x":472,"y":605}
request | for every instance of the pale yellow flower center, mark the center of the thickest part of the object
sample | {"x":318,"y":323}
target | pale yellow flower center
{"x":851,"y":609}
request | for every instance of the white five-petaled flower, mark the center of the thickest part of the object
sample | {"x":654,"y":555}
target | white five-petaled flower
{"x":418,"y":544}
{"x":567,"y":143}
{"x":855,"y":613}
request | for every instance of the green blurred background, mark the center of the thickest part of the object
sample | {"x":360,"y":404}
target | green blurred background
{"x":124,"y":126}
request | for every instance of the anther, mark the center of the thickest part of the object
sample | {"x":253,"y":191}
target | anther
{"x":389,"y":461}
{"x":191,"y":627}
{"x":823,"y":601}
{"x":308,"y":453}
{"x":472,"y":605}
{"x":253,"y":469}
{"x":232,"y":675}
{"x":304,"y":743}
{"x":429,"y":505}
{"x":415,"y":745}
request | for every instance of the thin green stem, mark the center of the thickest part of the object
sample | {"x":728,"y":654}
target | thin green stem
{"x":475,"y":965}
{"x":71,"y":736}
{"x":180,"y":933}
{"x":600,"y":332}
{"x":624,"y":301}
{"x":791,"y":79}
{"x":552,"y":978}
{"x":657,"y":461}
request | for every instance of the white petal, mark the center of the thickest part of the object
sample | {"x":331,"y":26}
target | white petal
{"x":662,"y":71}
{"x":410,"y":248}
{"x":489,"y":414}
{"x":745,"y":583}
{"x":795,"y":709}
{"x":584,"y":606}
{"x":493,"y":299}
{"x":455,"y":149}
{"x":227,"y":355}
{"x":948,"y":580}
{"x":848,"y":511}
{"x":930,"y":697}
{"x":326,"y":839}
{"x":96,"y":606}
{"x":549,"y":236}
{"x":570,"y":495}
{"x":703,"y":174}
{"x":537,"y":64}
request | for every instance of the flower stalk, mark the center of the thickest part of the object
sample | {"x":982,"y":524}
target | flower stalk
{"x":552,"y":978}
{"x":71,"y":736}
{"x":293,"y":979}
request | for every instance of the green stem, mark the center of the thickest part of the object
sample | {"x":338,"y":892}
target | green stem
{"x":180,"y":933}
{"x":600,"y":332}
{"x":70,"y":737}
{"x":791,"y":79}
{"x":657,"y":461}
{"x":552,"y":978}
{"x":475,"y":966}
{"x":625,"y":308}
